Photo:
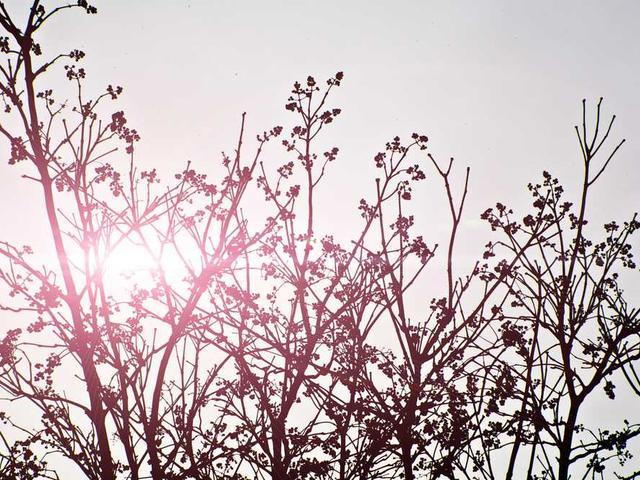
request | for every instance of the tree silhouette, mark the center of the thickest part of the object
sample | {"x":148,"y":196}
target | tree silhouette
{"x":254,"y":345}
{"x":568,"y":295}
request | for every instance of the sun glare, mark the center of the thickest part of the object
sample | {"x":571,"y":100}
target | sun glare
{"x":130,"y":264}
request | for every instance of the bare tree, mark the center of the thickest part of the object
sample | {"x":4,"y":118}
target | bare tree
{"x":75,"y":321}
{"x":580,"y":329}
{"x":254,"y":345}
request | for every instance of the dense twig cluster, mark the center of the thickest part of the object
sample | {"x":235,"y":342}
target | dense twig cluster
{"x":276,"y":350}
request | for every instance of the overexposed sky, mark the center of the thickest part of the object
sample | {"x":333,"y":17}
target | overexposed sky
{"x":495,"y":84}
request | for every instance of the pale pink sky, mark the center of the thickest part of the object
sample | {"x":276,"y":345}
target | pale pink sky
{"x":497,"y":85}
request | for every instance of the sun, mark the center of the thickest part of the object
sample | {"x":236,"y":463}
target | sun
{"x":130,"y":264}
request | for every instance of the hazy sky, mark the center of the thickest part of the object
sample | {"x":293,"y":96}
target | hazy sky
{"x":497,"y":85}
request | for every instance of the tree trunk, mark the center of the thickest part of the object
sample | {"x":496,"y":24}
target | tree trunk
{"x":564,"y":457}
